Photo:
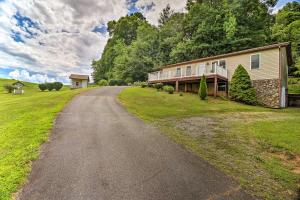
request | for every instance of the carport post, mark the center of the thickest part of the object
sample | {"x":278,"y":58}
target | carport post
{"x":177,"y":86}
{"x":185,"y":87}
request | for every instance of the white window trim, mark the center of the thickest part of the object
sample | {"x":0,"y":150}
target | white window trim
{"x":259,"y":61}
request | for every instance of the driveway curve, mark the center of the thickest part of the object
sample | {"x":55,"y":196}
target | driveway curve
{"x":97,"y":150}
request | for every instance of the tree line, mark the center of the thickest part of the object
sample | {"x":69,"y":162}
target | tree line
{"x":207,"y":28}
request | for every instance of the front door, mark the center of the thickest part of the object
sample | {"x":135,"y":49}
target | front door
{"x":201,"y":69}
{"x":214,"y":66}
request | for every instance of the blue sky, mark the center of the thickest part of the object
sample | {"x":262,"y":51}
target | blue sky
{"x":39,"y":42}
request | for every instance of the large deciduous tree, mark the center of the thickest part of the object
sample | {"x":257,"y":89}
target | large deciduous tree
{"x":287,"y":28}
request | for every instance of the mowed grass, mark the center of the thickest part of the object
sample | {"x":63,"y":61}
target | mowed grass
{"x":25,"y":121}
{"x":259,"y":147}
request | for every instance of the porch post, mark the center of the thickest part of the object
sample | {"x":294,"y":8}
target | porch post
{"x":216,"y":86}
{"x":185,"y":87}
{"x":227,"y":92}
{"x":177,"y":86}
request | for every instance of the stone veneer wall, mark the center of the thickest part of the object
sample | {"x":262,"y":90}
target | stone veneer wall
{"x":267,"y":92}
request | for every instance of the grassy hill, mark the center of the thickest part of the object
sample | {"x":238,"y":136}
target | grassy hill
{"x":25,"y":122}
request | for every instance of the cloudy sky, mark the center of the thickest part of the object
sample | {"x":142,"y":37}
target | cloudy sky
{"x":47,"y":40}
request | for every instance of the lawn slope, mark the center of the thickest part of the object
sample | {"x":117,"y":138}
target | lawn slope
{"x":25,"y":121}
{"x":259,"y":147}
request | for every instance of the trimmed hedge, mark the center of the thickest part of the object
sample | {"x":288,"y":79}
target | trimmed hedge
{"x":42,"y":86}
{"x":50,"y":86}
{"x":241,"y":89}
{"x":57,"y":85}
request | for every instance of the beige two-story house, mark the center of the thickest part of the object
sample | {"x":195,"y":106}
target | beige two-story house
{"x":267,"y":67}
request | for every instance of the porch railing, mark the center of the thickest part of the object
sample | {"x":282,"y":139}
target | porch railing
{"x":173,"y":74}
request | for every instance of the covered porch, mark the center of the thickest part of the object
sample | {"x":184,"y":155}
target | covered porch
{"x":216,"y":85}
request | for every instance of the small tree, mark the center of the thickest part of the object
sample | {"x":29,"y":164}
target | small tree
{"x":241,"y":88}
{"x":42,"y":86}
{"x":50,"y":86}
{"x":203,"y":88}
{"x":9,"y":88}
{"x":57,"y":85}
{"x":103,"y":82}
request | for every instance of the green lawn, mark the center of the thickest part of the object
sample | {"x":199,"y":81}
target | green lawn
{"x":259,"y":147}
{"x":25,"y":122}
{"x":294,"y":85}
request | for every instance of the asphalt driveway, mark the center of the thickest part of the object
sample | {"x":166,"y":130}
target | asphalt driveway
{"x":97,"y":150}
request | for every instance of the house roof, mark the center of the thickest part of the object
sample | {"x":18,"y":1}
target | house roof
{"x":79,"y":76}
{"x":263,"y":48}
{"x":18,"y":82}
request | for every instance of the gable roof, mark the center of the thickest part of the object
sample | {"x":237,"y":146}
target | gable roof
{"x":18,"y":82}
{"x":79,"y":76}
{"x":287,"y":45}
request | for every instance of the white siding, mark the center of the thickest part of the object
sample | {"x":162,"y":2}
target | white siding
{"x":269,"y":65}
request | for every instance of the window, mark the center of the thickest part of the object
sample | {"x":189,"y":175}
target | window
{"x":222,"y":63}
{"x":178,"y":72}
{"x":255,"y":61}
{"x":77,"y":83}
{"x":188,"y":71}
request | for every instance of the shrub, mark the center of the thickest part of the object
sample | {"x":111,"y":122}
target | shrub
{"x":103,"y":82}
{"x":292,"y":81}
{"x":9,"y":88}
{"x":50,"y":86}
{"x":57,"y":85}
{"x":158,"y":86}
{"x":113,"y":82}
{"x":169,"y":89}
{"x":241,"y":88}
{"x":181,"y":94}
{"x":137,"y":83}
{"x":144,"y":84}
{"x":42,"y":86}
{"x":203,"y":88}
{"x":140,"y":84}
{"x":121,"y":82}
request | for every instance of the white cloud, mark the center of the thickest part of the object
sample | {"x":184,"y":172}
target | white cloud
{"x":24,"y":75}
{"x":63,"y":41}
